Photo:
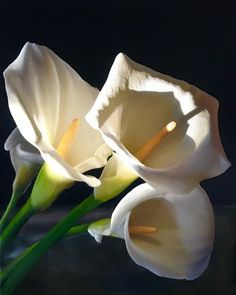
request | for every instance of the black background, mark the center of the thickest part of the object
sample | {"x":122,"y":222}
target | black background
{"x":193,"y":40}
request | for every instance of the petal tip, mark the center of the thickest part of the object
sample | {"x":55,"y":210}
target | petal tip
{"x":121,"y":57}
{"x":121,"y":61}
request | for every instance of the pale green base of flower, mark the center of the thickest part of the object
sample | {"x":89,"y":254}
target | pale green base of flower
{"x":111,"y":188}
{"x":47,"y":187}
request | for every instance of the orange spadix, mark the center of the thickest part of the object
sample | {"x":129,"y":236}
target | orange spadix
{"x":145,"y":150}
{"x":67,"y":139}
{"x":139,"y":229}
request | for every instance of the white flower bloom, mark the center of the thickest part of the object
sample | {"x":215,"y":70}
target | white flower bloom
{"x":171,"y":122}
{"x":25,"y":159}
{"x":45,"y":97}
{"x":169,"y":234}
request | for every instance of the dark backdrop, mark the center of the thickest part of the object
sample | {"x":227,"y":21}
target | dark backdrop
{"x":193,"y":41}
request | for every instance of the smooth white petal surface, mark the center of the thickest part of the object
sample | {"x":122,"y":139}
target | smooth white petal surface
{"x":45,"y":94}
{"x":182,"y":245}
{"x":136,"y":102}
{"x":98,"y":160}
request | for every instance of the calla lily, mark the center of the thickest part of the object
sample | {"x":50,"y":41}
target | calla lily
{"x":169,"y":234}
{"x":164,"y":129}
{"x":48,"y":101}
{"x":27,"y":162}
{"x":25,"y":159}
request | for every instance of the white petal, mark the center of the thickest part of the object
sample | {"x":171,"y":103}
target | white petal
{"x":138,"y":195}
{"x":97,"y":161}
{"x":45,"y":94}
{"x":13,"y":139}
{"x":182,"y":245}
{"x":21,"y":152}
{"x":25,"y":159}
{"x":116,"y":176}
{"x":62,"y":168}
{"x":136,"y":102}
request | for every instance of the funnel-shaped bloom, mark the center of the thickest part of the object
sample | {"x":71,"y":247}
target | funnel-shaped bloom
{"x":45,"y":97}
{"x":25,"y":159}
{"x":169,"y":234}
{"x":164,"y":129}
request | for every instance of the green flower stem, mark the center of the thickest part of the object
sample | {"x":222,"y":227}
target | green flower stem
{"x":16,"y":224}
{"x":76,"y":230}
{"x":79,"y":229}
{"x":32,"y":256}
{"x":6,"y":215}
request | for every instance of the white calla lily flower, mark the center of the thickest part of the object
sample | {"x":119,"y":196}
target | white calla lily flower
{"x":164,"y":129}
{"x":27,"y":162}
{"x":169,"y":234}
{"x":48,"y":101}
{"x":25,"y":159}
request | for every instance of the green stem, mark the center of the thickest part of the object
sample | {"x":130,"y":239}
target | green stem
{"x":16,"y":224}
{"x":10,"y":268}
{"x":6,"y":215}
{"x":79,"y":229}
{"x":37,"y":251}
